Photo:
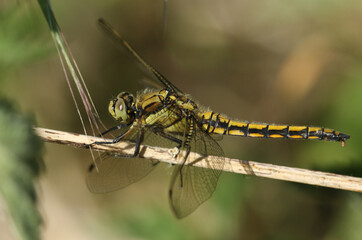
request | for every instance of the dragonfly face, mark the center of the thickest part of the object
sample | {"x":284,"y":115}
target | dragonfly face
{"x":170,"y":118}
{"x":120,"y":108}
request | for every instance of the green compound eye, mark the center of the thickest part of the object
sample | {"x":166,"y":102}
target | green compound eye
{"x":119,"y":107}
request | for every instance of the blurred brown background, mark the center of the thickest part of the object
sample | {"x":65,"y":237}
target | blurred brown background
{"x":293,"y":62}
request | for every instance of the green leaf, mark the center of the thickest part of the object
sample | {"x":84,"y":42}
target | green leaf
{"x":20,"y":165}
{"x":22,"y":38}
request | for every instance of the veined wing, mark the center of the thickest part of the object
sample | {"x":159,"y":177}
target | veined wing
{"x":150,"y":83}
{"x":111,"y":172}
{"x":121,"y":42}
{"x":191,"y":186}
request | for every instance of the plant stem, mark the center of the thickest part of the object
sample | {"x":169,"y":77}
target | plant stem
{"x":291,"y":174}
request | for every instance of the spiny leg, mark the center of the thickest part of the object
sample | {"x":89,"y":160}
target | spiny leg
{"x":120,"y":126}
{"x":116,"y":140}
{"x":171,"y":138}
{"x":137,"y":146}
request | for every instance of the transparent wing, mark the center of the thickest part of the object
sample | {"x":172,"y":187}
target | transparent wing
{"x":191,"y":186}
{"x":111,"y":173}
{"x":108,"y":29}
{"x":148,"y":82}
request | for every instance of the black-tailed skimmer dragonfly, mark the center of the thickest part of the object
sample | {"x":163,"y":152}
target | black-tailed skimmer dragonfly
{"x":168,"y":117}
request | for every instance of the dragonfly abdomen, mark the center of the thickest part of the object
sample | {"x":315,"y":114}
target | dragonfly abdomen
{"x":215,"y":123}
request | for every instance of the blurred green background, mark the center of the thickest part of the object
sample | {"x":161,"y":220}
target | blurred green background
{"x":292,"y":62}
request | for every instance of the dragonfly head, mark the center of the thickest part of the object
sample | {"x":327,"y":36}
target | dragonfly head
{"x":120,"y":108}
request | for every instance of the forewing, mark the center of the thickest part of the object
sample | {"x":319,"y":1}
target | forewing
{"x":123,"y":43}
{"x":111,"y":173}
{"x":190,"y":185}
{"x":151,"y":83}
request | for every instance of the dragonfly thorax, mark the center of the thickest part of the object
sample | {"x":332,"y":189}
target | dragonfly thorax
{"x":120,"y":108}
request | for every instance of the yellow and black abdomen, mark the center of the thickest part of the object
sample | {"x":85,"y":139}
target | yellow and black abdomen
{"x":215,"y":123}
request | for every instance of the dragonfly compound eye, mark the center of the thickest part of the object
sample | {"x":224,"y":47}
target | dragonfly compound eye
{"x":120,"y":106}
{"x":127,"y":97}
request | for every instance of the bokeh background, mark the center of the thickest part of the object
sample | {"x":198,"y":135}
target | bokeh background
{"x":293,"y":62}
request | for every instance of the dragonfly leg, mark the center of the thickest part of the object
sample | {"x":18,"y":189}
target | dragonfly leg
{"x":137,"y":147}
{"x":171,"y":138}
{"x":116,"y":140}
{"x":120,"y":126}
{"x":174,"y":152}
{"x":138,"y":143}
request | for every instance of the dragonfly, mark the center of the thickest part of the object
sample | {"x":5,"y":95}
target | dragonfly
{"x":167,"y":117}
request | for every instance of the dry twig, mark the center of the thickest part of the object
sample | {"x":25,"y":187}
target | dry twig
{"x":291,"y":174}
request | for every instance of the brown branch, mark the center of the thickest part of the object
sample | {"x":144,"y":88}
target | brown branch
{"x":291,"y":174}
